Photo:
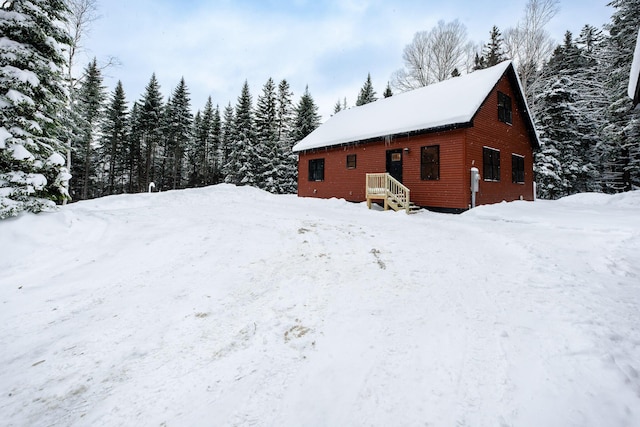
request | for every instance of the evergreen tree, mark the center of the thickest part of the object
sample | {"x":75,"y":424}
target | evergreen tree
{"x":32,"y":95}
{"x":493,"y":53}
{"x":307,"y":118}
{"x":179,"y":133}
{"x":215,"y":149}
{"x":149,"y":131}
{"x":201,"y":155}
{"x":226,"y":142}
{"x":284,"y":115}
{"x":84,"y":164}
{"x":113,"y":144}
{"x":268,"y":155}
{"x":242,"y":166}
{"x":164,"y":157}
{"x":559,"y":164}
{"x":367,"y":94}
{"x":620,"y":151}
{"x":284,"y":118}
{"x":387,"y":92}
{"x":568,"y":129}
{"x":196,"y":153}
{"x":133,"y":150}
{"x":337,"y":107}
{"x":479,"y":62}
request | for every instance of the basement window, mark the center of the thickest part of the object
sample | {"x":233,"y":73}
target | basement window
{"x":351,"y":161}
{"x":316,"y":170}
{"x":517,"y":169}
{"x":491,"y":164}
{"x":504,"y":108}
{"x":430,"y":162}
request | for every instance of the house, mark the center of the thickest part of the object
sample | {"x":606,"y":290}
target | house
{"x":634,"y":76}
{"x":427,"y":144}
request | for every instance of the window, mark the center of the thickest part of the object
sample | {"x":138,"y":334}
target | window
{"x":491,"y":164}
{"x":316,"y":170}
{"x":504,"y":108}
{"x":430,"y":162}
{"x":351,"y":161}
{"x":517,"y":169}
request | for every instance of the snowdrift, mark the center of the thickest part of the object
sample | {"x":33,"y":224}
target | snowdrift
{"x":231,"y":306}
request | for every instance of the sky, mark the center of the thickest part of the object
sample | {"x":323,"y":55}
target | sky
{"x":329,"y":46}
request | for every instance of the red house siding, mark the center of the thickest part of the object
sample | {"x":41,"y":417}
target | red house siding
{"x":510,"y":139}
{"x":460,"y":149}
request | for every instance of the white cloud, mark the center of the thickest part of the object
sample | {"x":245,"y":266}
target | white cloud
{"x":331,"y":46}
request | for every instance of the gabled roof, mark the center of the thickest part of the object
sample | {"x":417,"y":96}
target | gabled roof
{"x":448,"y":104}
{"x":634,"y":76}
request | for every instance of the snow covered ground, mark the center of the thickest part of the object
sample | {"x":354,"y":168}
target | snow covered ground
{"x":231,"y":306}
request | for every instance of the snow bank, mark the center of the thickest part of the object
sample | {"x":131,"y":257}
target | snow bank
{"x":231,"y":306}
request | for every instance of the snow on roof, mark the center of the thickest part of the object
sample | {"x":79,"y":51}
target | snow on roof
{"x":449,"y":102}
{"x":634,"y":76}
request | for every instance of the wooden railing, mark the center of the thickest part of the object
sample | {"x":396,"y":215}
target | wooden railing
{"x":382,"y":186}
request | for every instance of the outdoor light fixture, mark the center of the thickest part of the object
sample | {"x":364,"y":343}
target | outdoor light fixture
{"x":406,"y":149}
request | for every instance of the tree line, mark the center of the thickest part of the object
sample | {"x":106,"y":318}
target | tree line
{"x":120,"y":150}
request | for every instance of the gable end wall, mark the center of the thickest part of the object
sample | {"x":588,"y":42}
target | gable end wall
{"x":509,"y":139}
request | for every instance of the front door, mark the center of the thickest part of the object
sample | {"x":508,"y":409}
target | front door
{"x":394,"y":164}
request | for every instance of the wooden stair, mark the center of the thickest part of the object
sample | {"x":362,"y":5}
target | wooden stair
{"x":384,"y":187}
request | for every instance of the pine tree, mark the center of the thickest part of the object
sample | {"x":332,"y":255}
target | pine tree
{"x":284,"y":114}
{"x":620,"y":151}
{"x":215,"y":150}
{"x":164,"y":157}
{"x":479,"y":62}
{"x":493,"y":53}
{"x":242,"y":159}
{"x":226,"y":142}
{"x":387,"y":92}
{"x":133,"y":150}
{"x":84,"y":164}
{"x":201,"y":154}
{"x":150,"y":132}
{"x":367,"y":94}
{"x":179,"y":133}
{"x":113,"y":147}
{"x":196,"y":153}
{"x":337,"y":107}
{"x":32,"y":94}
{"x":268,"y":155}
{"x":307,"y":118}
{"x":284,"y":118}
{"x":559,"y":164}
{"x":565,"y":164}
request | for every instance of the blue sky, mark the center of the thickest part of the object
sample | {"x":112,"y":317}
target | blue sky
{"x":328,"y":45}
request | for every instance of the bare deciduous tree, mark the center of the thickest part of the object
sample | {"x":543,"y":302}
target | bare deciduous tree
{"x":82,"y":13}
{"x":529,"y":44}
{"x":433,"y":56}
